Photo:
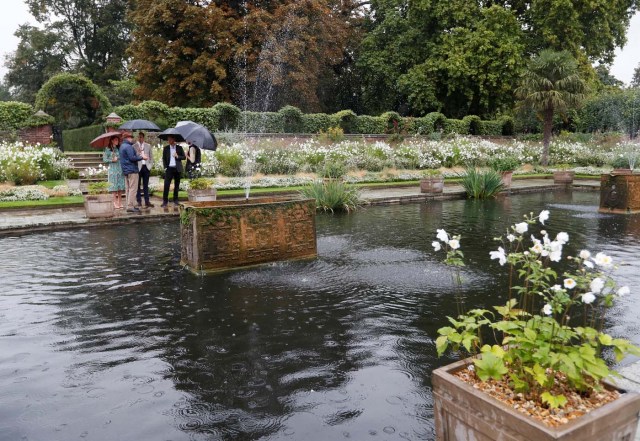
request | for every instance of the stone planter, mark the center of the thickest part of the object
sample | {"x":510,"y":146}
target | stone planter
{"x":621,"y":171}
{"x":463,"y":413}
{"x":98,"y":206}
{"x":563,"y":177}
{"x":619,"y":193}
{"x":507,"y":176}
{"x":223,"y":235}
{"x":433,"y":184}
{"x":206,"y":195}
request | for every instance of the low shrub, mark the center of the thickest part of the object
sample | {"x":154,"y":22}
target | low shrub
{"x":98,"y":187}
{"x":333,"y":196}
{"x":25,"y":193}
{"x":504,"y":164}
{"x":482,"y":184}
{"x":333,"y":134}
{"x":229,"y":162}
{"x":201,"y":183}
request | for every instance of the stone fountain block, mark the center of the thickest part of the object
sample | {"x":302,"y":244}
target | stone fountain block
{"x":228,"y":234}
{"x":619,"y":193}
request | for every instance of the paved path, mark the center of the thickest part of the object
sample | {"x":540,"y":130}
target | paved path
{"x":17,"y":222}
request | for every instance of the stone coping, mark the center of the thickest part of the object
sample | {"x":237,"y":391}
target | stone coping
{"x":18,"y":222}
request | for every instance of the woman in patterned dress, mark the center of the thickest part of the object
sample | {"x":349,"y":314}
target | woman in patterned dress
{"x":111,"y":156}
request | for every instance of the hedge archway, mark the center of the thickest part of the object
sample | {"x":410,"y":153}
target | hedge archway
{"x":73,"y":100}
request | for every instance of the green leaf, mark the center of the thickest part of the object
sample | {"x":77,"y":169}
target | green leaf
{"x":490,"y":366}
{"x":554,"y":401}
{"x":530,"y":334}
{"x":442,"y":343}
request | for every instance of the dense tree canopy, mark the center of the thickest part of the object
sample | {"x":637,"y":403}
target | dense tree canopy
{"x":40,"y":55}
{"x":96,"y":31}
{"x":458,"y":57}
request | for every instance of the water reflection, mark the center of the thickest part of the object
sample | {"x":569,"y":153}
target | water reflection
{"x":103,"y":337}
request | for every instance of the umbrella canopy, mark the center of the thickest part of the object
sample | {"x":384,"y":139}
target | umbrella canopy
{"x":140,"y":124}
{"x":171,"y":132}
{"x":103,"y":140}
{"x":197,"y":134}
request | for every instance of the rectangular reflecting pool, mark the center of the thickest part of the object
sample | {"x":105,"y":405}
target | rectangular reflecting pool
{"x":103,"y":336}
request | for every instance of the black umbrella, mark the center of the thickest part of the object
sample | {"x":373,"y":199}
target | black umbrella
{"x":197,"y":134}
{"x":171,"y":132}
{"x":140,"y":124}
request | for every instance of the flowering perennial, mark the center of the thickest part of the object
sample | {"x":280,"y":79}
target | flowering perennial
{"x":550,"y":329}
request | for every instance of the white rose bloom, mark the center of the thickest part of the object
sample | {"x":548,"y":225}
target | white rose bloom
{"x":555,"y":256}
{"x":569,"y":283}
{"x":537,"y":248}
{"x":562,"y":238}
{"x":436,"y":245}
{"x":442,"y":236}
{"x":596,"y":285}
{"x":624,"y":291}
{"x":588,"y":264}
{"x":502,"y":258}
{"x":584,"y":254}
{"x":454,"y":244}
{"x":521,"y":228}
{"x":547,"y":309}
{"x":588,"y":297}
{"x":556,"y":287}
{"x":543,"y":216}
{"x":602,"y":259}
{"x":511,"y":237}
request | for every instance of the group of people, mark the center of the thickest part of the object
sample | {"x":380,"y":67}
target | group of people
{"x":130,"y":164}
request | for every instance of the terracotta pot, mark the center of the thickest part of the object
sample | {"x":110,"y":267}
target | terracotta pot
{"x":206,"y":195}
{"x":98,"y":206}
{"x":434,"y":184}
{"x":465,"y":413}
{"x":563,"y":177}
{"x":507,"y":176}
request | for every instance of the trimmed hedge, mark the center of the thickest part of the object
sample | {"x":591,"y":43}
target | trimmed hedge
{"x":77,"y":140}
{"x":14,"y":115}
{"x":225,"y":117}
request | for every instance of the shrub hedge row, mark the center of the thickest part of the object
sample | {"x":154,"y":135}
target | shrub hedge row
{"x":77,"y":140}
{"x":227,"y":117}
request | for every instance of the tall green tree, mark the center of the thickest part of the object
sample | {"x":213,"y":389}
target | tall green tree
{"x":635,"y":80}
{"x":260,"y":54}
{"x":40,"y":55}
{"x":97,"y":33}
{"x":551,"y":83}
{"x":460,"y":56}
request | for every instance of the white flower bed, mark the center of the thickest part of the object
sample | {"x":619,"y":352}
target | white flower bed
{"x":24,"y":193}
{"x":27,"y":163}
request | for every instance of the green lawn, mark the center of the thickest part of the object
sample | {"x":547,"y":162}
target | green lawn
{"x":60,"y":201}
{"x":51,"y":184}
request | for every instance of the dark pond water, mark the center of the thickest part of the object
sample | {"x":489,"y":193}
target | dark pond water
{"x":103,"y":337}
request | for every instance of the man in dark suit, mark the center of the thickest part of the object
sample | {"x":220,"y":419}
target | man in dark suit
{"x":172,"y":157}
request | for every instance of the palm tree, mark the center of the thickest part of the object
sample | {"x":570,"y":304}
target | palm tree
{"x":551,"y":83}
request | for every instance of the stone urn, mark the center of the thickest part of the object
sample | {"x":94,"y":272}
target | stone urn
{"x":507,"y":177}
{"x":206,"y":195}
{"x":432,"y":184}
{"x":98,"y":206}
{"x":563,"y":177}
{"x":465,"y":413}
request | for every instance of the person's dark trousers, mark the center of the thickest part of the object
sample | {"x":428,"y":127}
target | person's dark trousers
{"x":143,"y":185}
{"x":171,"y":174}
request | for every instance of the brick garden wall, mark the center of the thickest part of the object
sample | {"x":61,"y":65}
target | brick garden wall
{"x":33,"y":135}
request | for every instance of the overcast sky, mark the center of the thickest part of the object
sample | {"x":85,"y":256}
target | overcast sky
{"x":15,"y":13}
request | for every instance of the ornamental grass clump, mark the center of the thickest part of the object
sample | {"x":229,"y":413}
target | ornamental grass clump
{"x":482,"y":184}
{"x":333,"y":196}
{"x":547,"y":348}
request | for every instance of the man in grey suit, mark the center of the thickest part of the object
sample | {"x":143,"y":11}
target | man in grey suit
{"x":144,"y":167}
